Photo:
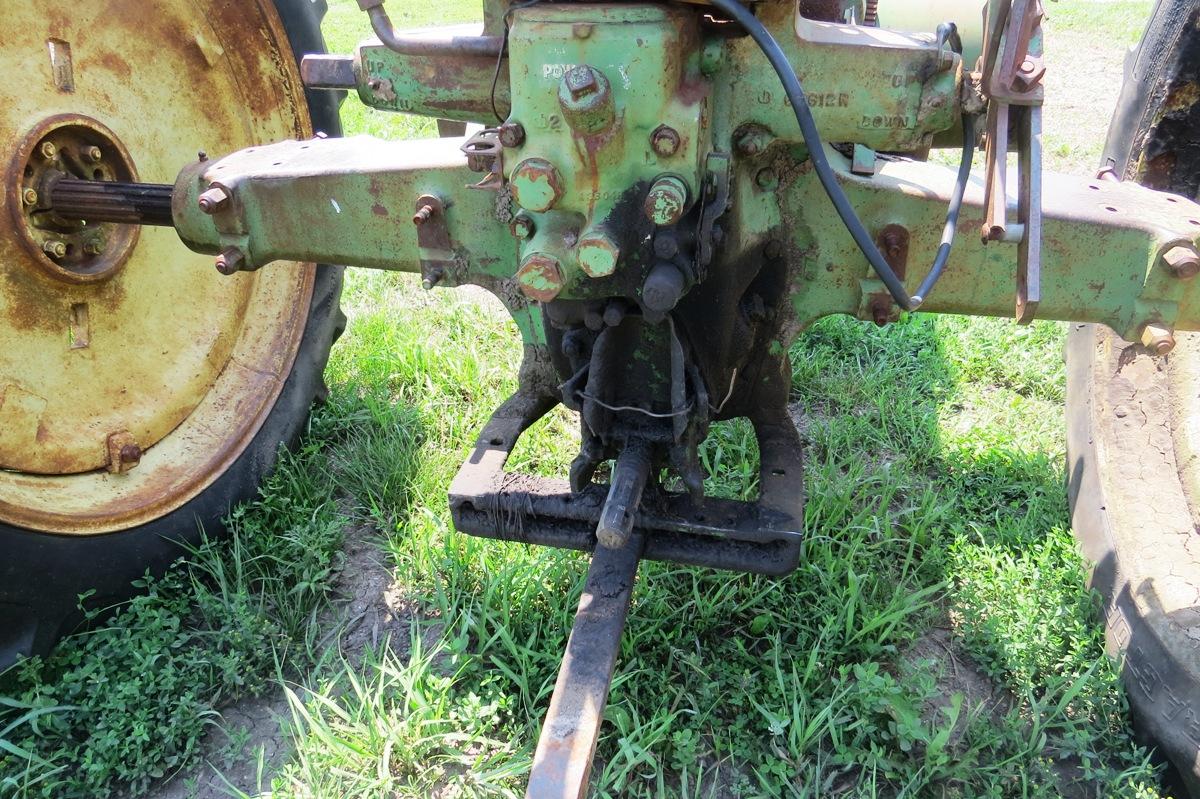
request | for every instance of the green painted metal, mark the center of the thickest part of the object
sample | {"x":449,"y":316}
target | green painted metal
{"x":624,"y":107}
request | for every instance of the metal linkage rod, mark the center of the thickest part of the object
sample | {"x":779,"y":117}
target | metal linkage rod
{"x":625,"y":494}
{"x":107,"y":201}
{"x":562,"y":762}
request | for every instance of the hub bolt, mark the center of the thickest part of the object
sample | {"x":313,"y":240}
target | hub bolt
{"x":1182,"y":261}
{"x":29,"y":196}
{"x":48,"y":150}
{"x":214,"y":200}
{"x":1158,"y":338}
{"x":55,"y":248}
{"x":93,"y":154}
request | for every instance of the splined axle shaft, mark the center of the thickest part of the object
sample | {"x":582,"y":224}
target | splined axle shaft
{"x":109,"y":201}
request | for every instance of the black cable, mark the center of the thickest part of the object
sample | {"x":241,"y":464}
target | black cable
{"x":841,"y":204}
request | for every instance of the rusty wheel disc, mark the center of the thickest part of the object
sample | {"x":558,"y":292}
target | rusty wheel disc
{"x":131,"y":373}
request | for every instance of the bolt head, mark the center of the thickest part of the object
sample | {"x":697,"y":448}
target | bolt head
{"x":93,"y":247}
{"x":29,"y":196}
{"x":598,"y":254}
{"x":582,"y":30}
{"x":522,"y":227}
{"x":48,"y":150}
{"x":536,"y":185}
{"x":666,"y":201}
{"x":93,"y":154}
{"x":766,"y":179}
{"x":213,"y":200}
{"x":1158,"y":338}
{"x":540,"y":277}
{"x":665,"y":141}
{"x":55,"y":249}
{"x":511,"y":134}
{"x":1183,"y":261}
{"x":581,"y":81}
{"x":230,"y":261}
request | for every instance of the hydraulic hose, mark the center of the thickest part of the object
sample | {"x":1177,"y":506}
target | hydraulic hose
{"x":841,"y":204}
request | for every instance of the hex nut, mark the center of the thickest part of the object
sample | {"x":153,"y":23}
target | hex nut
{"x":48,"y":150}
{"x":536,"y":185}
{"x":29,"y":196}
{"x":522,"y":227}
{"x":1183,"y":261}
{"x":55,"y":248}
{"x":1158,"y":338}
{"x":213,"y":200}
{"x":540,"y":277}
{"x":598,"y":254}
{"x":230,"y":261}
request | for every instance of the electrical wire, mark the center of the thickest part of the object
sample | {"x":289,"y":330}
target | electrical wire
{"x":812,"y":138}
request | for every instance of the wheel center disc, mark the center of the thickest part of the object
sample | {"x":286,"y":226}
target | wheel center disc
{"x":68,"y":146}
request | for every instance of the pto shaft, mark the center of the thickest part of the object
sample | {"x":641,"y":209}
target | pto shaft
{"x":107,"y":201}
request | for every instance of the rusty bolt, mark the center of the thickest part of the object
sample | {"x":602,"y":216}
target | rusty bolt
{"x":48,"y":150}
{"x":93,"y":154}
{"x":666,"y":201}
{"x":230,"y":261}
{"x":93,"y":246}
{"x":582,"y":30}
{"x":1182,"y":261}
{"x":893,"y":242}
{"x":29,"y":196}
{"x":598,"y":254}
{"x":752,"y":141}
{"x":521,"y":227}
{"x":536,"y":185}
{"x":581,"y":81}
{"x":123,"y":452}
{"x":511,"y":134}
{"x":665,"y":140}
{"x":213,"y":200}
{"x":1158,"y":338}
{"x":540,"y":277}
{"x":433,"y":278}
{"x":55,"y":248}
{"x":423,"y":214}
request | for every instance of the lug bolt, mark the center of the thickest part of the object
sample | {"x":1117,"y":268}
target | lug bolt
{"x":521,"y":227}
{"x":214,"y":200}
{"x":55,"y":248}
{"x":1158,"y":338}
{"x":93,"y":154}
{"x":511,"y":134}
{"x":422,"y":215}
{"x":29,"y":196}
{"x":666,"y":200}
{"x":665,"y":141}
{"x":48,"y":150}
{"x":1182,"y":261}
{"x":230,"y":261}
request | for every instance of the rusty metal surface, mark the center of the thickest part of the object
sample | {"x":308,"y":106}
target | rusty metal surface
{"x":562,"y":762}
{"x":82,"y":360}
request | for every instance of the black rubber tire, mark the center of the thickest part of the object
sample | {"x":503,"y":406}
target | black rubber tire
{"x":41,"y":575}
{"x":1133,"y":505}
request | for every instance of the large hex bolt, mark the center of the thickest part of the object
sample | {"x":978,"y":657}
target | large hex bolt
{"x":666,"y":201}
{"x":585,"y":96}
{"x":540,"y":277}
{"x":213,"y":200}
{"x":536,"y":185}
{"x":1158,"y":338}
{"x":230,"y":261}
{"x":663,"y":288}
{"x":598,"y":254}
{"x":1182,"y":261}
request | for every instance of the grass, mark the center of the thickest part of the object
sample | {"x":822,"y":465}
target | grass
{"x":935,"y":501}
